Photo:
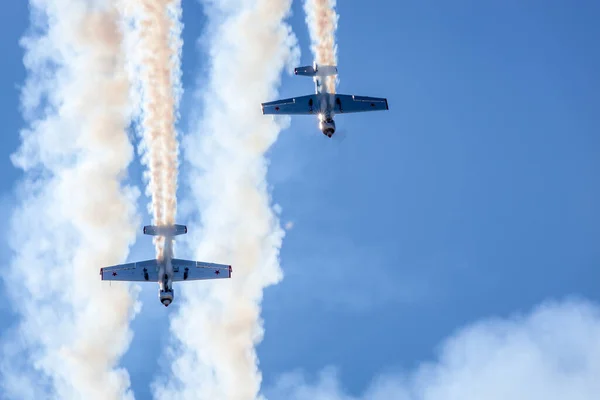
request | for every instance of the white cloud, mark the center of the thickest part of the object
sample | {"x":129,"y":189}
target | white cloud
{"x":553,"y":353}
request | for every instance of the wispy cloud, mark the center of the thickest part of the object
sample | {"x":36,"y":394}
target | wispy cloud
{"x":74,"y":213}
{"x":552,"y":353}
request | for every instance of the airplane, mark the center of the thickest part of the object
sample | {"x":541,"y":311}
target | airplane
{"x":322,"y":103}
{"x":167,"y":270}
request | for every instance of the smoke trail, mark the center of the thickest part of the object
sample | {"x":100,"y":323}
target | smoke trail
{"x":74,"y":214}
{"x":322,"y":23}
{"x":218,"y":323}
{"x":159,"y":30}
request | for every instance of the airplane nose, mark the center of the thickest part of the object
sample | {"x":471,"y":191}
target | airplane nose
{"x":166,"y":302}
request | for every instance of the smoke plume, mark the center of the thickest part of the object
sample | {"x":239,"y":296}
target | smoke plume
{"x":158,"y":63}
{"x":218,"y":325}
{"x":322,"y":23}
{"x":74,"y":214}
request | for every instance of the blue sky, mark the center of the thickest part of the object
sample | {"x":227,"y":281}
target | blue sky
{"x":474,"y":196}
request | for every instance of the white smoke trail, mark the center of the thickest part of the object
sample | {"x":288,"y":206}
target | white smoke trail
{"x":158,"y":59}
{"x":218,"y":323}
{"x":74,"y":214}
{"x":322,"y":22}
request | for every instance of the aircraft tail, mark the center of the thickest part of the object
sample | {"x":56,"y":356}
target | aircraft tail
{"x":172,"y":230}
{"x":316,"y":70}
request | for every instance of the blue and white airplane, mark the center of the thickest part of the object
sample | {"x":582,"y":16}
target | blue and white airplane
{"x":322,"y":103}
{"x":167,"y":270}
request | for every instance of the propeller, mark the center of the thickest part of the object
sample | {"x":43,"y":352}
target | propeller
{"x":339,"y":136}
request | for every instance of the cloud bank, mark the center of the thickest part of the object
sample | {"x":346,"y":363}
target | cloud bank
{"x":553,"y":353}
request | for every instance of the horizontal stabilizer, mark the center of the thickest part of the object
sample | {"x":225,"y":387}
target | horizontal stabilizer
{"x":316,"y":70}
{"x":172,"y":230}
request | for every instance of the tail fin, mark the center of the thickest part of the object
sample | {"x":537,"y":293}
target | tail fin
{"x":316,"y":70}
{"x":172,"y":230}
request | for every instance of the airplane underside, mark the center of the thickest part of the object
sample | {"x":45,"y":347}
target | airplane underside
{"x":167,"y":269}
{"x":322,"y":103}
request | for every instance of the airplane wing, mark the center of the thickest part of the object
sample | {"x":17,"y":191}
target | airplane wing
{"x":345,"y":103}
{"x":293,"y":106}
{"x":132,"y":272}
{"x":184,"y":270}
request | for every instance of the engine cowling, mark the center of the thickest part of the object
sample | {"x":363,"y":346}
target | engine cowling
{"x":166,"y":297}
{"x":327,"y":126}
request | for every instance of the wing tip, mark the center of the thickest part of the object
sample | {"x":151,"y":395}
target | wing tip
{"x":101,"y":274}
{"x":230,"y":270}
{"x":386,"y":105}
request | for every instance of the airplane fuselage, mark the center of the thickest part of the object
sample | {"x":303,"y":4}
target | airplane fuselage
{"x":165,"y":273}
{"x":165,"y":269}
{"x":326,"y":103}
